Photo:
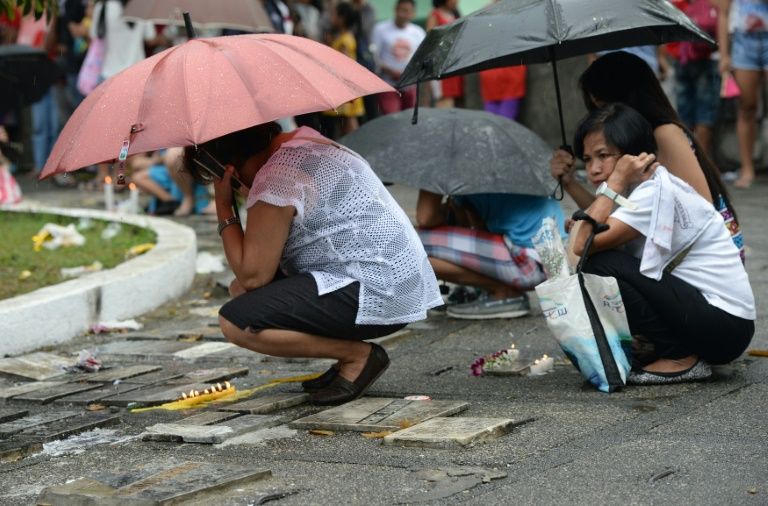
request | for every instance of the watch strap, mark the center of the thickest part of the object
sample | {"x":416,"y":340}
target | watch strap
{"x":229,"y":221}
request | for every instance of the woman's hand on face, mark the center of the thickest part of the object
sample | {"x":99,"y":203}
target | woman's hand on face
{"x":222,"y":188}
{"x":631,"y":170}
{"x":561,"y":166}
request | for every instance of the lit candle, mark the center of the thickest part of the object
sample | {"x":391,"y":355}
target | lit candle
{"x":109,"y":194}
{"x":513,"y":353}
{"x":542,"y":365}
{"x":133,"y":208}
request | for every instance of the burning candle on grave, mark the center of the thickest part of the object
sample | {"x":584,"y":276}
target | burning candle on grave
{"x":542,"y":365}
{"x":133,"y":199}
{"x":109,"y":194}
{"x":513,"y":353}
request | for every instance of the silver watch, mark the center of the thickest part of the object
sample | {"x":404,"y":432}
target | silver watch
{"x":621,"y":200}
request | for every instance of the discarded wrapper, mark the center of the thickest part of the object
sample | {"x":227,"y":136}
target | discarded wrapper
{"x":418,"y":398}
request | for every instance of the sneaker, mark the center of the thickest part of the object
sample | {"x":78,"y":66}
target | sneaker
{"x":700,"y":371}
{"x":486,"y":309}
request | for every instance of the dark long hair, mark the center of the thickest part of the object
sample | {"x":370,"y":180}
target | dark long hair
{"x":231,"y":149}
{"x":622,"y":127}
{"x":623,"y":77}
{"x":350,"y":17}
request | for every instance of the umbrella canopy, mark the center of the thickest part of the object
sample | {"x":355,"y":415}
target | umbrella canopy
{"x":25,"y":75}
{"x":455,"y":151}
{"x":247,"y":15}
{"x":515,"y":32}
{"x":203,"y":89}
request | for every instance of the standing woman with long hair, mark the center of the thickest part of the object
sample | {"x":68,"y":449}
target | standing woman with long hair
{"x":625,"y":78}
{"x":743,"y":39}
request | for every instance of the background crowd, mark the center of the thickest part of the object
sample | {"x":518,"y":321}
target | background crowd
{"x":91,"y":41}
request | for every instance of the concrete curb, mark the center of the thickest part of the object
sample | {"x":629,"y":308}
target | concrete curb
{"x":57,"y":313}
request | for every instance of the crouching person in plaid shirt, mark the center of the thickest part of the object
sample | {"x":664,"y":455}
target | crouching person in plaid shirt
{"x":484,"y":241}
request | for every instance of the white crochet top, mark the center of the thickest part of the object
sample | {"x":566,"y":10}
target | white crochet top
{"x":347,"y":228}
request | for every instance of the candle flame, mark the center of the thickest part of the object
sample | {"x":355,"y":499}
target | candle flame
{"x":132,"y":186}
{"x":545,"y":356}
{"x":107,"y":180}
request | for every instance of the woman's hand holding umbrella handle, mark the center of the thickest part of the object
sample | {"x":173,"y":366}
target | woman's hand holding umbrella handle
{"x":561,"y":166}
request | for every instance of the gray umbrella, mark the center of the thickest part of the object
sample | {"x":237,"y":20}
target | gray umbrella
{"x":455,"y":151}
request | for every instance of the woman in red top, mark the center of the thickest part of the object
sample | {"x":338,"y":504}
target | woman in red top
{"x":452,"y":88}
{"x":503,"y":89}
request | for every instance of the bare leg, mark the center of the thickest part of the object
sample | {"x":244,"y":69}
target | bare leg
{"x":349,"y":125}
{"x":445,"y":103}
{"x":461,"y":275}
{"x":183,"y":180}
{"x":749,"y":83}
{"x":668,"y":365}
{"x":352,"y":355}
{"x":148,"y":185}
{"x":703,"y":134}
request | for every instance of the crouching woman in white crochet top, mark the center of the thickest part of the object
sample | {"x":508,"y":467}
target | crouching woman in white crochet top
{"x":681,"y":278}
{"x":327,"y":258}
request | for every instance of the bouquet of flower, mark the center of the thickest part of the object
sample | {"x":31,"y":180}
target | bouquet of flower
{"x":496,"y":360}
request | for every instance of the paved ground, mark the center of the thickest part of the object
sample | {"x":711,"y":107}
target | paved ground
{"x":694,"y":444}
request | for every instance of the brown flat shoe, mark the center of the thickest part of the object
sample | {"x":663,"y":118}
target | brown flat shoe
{"x":341,"y":390}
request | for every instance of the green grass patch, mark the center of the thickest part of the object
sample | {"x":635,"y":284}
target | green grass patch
{"x":17,"y":254}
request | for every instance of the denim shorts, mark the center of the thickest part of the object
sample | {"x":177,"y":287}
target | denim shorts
{"x":749,"y":50}
{"x":698,"y":92}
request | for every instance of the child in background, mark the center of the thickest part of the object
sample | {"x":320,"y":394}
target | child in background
{"x":345,"y":21}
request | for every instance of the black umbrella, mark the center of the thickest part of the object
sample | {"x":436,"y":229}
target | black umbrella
{"x":455,"y":151}
{"x":25,"y":75}
{"x":515,"y":32}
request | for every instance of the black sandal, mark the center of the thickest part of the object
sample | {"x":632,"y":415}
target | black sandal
{"x":322,"y":381}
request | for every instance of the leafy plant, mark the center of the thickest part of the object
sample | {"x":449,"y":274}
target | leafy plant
{"x":36,"y":7}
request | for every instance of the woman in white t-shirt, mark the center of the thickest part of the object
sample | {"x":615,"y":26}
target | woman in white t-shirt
{"x":327,"y":259}
{"x":684,"y":286}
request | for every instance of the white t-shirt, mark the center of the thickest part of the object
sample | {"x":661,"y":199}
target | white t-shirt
{"x":347,"y":228}
{"x":123,"y":43}
{"x":394,"y":46}
{"x":712,"y":265}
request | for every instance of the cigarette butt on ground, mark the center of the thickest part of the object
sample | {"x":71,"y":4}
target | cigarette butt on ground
{"x":758,"y":353}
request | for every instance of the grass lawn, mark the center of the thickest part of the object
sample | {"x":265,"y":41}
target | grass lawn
{"x":17,"y":254}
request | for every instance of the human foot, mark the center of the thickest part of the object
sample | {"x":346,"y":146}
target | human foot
{"x":321,"y":381}
{"x":743,"y":182}
{"x":185,"y":208}
{"x":668,"y":365}
{"x":342,"y":390}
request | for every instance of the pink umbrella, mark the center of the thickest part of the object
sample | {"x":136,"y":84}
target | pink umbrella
{"x":203,"y":89}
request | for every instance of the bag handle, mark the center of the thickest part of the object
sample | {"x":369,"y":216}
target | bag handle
{"x":596,"y":229}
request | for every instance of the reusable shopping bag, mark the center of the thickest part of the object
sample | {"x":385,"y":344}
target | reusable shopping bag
{"x":586,"y":314}
{"x":10,"y":192}
{"x":90,"y":72}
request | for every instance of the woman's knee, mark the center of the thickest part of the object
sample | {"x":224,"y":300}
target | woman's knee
{"x":235,"y":334}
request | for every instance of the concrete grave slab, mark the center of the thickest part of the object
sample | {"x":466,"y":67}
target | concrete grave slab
{"x":10,"y":392}
{"x":204,"y":350}
{"x":9,"y":414}
{"x":8,"y":429}
{"x":212,"y":375}
{"x":208,"y":418}
{"x":37,"y":366}
{"x":97,"y":394}
{"x":64,"y":428}
{"x":209,"y":434}
{"x":267,"y":403}
{"x":120,"y":373}
{"x":205,"y":333}
{"x":376,"y":414}
{"x":152,"y":395}
{"x":164,"y":375}
{"x":442,"y":432}
{"x":14,"y":450}
{"x":46,"y":395}
{"x":142,"y":350}
{"x":154,"y":486}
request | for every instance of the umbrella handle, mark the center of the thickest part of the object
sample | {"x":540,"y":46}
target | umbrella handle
{"x":596,"y":229}
{"x":558,"y":193}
